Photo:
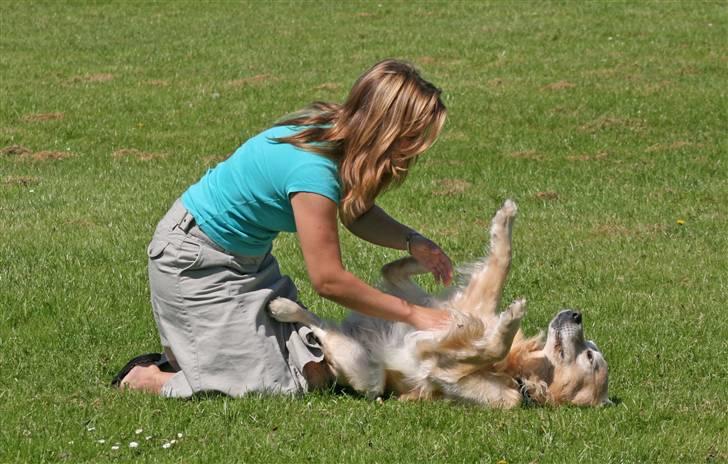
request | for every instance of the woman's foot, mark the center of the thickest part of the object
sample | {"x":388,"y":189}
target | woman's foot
{"x":145,"y":378}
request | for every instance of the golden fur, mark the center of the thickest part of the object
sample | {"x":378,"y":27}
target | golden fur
{"x":482,"y":357}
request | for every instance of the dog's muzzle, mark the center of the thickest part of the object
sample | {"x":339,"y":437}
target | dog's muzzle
{"x":565,"y":317}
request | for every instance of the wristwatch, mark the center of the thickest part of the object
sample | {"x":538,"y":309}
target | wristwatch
{"x":408,"y":239}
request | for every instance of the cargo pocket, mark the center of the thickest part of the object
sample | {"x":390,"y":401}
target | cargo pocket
{"x":156,"y":248}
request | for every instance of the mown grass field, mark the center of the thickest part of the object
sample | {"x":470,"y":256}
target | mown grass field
{"x":606,"y":121}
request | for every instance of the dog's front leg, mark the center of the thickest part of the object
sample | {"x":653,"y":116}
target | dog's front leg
{"x":497,"y":343}
{"x":488,"y":389}
{"x":483,"y":292}
{"x":417,"y":394}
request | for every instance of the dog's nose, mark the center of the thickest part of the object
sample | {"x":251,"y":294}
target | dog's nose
{"x":576,"y":317}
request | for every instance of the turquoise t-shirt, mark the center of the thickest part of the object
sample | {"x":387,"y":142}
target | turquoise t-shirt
{"x":244,"y":202}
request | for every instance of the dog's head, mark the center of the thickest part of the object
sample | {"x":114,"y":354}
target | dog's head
{"x":579,"y":374}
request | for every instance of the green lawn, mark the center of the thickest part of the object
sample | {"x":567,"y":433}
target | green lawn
{"x":606,"y":121}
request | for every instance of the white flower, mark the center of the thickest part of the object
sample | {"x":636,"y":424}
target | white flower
{"x":166,"y":445}
{"x":148,"y":437}
{"x":133,"y":444}
{"x":138,"y":431}
{"x":115,"y":447}
{"x":179,"y":435}
{"x":102,"y":441}
{"x":90,"y":428}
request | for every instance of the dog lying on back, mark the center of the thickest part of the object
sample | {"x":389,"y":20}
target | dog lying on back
{"x":482,"y":357}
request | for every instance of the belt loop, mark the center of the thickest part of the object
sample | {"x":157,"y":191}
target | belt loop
{"x":187,"y":223}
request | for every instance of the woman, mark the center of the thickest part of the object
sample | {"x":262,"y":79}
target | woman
{"x":210,"y":268}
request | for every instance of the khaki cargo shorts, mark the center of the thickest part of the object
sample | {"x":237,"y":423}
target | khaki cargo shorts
{"x":210,"y":308}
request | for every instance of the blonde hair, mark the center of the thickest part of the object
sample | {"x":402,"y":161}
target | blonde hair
{"x":390,"y":117}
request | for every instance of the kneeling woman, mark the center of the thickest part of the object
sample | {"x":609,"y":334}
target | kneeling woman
{"x":211,"y":272}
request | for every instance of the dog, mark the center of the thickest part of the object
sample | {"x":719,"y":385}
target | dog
{"x":482,"y":357}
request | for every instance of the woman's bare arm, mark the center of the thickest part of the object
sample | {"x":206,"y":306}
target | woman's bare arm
{"x":378,"y":227}
{"x":319,"y":238}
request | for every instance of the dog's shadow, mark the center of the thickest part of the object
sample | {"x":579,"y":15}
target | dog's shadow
{"x":348,"y":392}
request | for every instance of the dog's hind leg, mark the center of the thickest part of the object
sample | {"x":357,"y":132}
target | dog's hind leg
{"x":285,"y":310}
{"x":348,"y":358}
{"x":483,"y":292}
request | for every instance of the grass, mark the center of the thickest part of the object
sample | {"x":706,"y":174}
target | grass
{"x":606,"y":121}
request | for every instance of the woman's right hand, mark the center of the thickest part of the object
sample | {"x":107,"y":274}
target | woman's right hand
{"x":424,"y":318}
{"x":431,"y":257}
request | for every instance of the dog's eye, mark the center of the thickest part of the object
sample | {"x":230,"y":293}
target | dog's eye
{"x":589,"y":355}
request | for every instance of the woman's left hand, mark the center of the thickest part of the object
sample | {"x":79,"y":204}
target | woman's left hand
{"x":431,"y":256}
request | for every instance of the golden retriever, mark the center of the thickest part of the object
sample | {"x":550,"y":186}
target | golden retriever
{"x":482,"y":357}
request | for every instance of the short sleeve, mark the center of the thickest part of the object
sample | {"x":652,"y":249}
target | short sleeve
{"x":320,"y":178}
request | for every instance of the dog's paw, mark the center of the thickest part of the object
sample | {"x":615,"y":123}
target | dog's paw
{"x":284,"y":310}
{"x":516,"y":311}
{"x":509,"y":208}
{"x":503,"y":219}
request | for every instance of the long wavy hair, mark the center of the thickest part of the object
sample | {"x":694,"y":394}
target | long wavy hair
{"x":390,"y":117}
